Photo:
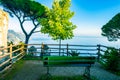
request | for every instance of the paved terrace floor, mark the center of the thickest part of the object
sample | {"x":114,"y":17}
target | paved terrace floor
{"x":32,"y":70}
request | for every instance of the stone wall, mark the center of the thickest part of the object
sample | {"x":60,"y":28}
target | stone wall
{"x":3,"y":28}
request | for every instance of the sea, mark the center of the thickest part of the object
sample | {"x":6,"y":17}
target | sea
{"x":77,"y":40}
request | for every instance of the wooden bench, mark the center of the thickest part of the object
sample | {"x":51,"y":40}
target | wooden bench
{"x":67,"y":61}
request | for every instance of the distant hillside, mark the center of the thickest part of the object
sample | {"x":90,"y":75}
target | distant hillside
{"x":15,"y":37}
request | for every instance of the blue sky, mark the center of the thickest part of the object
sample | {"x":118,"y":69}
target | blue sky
{"x":90,"y":15}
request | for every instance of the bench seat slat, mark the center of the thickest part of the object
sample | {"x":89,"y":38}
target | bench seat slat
{"x":68,"y":57}
{"x":60,"y":61}
{"x":68,"y":65}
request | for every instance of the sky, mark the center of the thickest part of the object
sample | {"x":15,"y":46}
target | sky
{"x":90,"y":15}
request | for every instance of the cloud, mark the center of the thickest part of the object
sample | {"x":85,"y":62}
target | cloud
{"x":87,"y":31}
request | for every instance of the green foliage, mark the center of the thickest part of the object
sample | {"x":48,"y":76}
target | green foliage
{"x":10,"y":73}
{"x":57,"y":22}
{"x":112,"y":59}
{"x":118,"y":73}
{"x":32,"y":50}
{"x":112,"y":29}
{"x":74,"y":53}
{"x":25,"y":10}
{"x":45,"y":47}
{"x":33,"y":9}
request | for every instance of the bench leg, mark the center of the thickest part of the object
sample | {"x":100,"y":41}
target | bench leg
{"x":87,"y":72}
{"x":48,"y":75}
{"x":48,"y":70}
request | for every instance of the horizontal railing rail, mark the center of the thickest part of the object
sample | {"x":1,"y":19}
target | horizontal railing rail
{"x":62,"y":49}
{"x":10,"y":55}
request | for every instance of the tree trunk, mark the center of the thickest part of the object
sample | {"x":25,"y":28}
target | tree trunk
{"x":27,"y":39}
{"x":59,"y":46}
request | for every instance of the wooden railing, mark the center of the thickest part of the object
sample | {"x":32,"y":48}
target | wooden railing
{"x":10,"y":55}
{"x":63,"y":50}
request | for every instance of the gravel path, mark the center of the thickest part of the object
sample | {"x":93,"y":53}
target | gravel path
{"x":32,"y":70}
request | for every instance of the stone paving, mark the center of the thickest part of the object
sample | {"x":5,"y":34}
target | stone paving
{"x":32,"y":70}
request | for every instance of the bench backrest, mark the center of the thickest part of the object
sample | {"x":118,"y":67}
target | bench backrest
{"x":68,"y":61}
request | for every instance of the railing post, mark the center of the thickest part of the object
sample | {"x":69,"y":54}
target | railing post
{"x":11,"y":53}
{"x":98,"y":58}
{"x":25,"y":48}
{"x":22,"y":48}
{"x":42,"y":50}
{"x":67,"y":50}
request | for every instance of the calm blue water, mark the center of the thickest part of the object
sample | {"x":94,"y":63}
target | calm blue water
{"x":79,"y":40}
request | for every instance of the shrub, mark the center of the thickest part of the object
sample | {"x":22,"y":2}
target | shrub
{"x":31,"y":50}
{"x":74,"y":53}
{"x":112,"y":59}
{"x":45,"y":47}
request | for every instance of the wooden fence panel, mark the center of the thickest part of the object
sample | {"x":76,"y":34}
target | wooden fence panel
{"x":6,"y":64}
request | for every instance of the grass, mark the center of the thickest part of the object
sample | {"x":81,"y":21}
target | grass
{"x":10,"y":73}
{"x":45,"y":77}
{"x":114,"y":72}
{"x":118,"y":73}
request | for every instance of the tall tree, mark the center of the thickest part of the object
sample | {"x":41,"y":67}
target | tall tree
{"x":112,"y":29}
{"x":57,"y":23}
{"x":25,"y":10}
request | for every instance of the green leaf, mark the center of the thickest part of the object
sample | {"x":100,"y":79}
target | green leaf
{"x":57,"y":23}
{"x":112,"y":29}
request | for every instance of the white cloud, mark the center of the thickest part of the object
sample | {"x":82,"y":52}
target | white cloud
{"x":14,"y":24}
{"x":87,"y":31}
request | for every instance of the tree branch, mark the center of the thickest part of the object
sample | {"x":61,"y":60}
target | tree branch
{"x":36,"y":25}
{"x":36,"y":31}
{"x":21,"y":24}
